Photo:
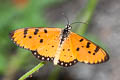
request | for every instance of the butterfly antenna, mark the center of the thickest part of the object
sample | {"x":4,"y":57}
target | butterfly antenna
{"x":78,"y":22}
{"x":66,"y":17}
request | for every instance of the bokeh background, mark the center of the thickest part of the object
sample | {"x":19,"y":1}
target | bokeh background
{"x":103,"y":17}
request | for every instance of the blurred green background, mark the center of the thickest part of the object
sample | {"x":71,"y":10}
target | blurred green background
{"x":15,"y":14}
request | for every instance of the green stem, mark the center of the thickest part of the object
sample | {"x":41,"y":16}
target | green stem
{"x":32,"y":71}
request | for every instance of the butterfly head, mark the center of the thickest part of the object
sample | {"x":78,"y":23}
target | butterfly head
{"x":68,"y":27}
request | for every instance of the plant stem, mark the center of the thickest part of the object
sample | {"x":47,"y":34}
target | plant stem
{"x":32,"y":71}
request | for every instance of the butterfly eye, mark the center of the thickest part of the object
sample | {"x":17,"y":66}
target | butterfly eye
{"x":68,"y":27}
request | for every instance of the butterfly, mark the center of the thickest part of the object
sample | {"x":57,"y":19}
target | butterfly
{"x":61,"y":46}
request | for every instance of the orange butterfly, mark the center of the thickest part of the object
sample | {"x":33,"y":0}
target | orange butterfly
{"x":61,"y":46}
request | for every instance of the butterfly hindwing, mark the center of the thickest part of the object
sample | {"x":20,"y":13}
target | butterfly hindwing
{"x":66,"y":56}
{"x":86,"y":51}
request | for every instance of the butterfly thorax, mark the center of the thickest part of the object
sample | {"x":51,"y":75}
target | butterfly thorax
{"x":65,"y":32}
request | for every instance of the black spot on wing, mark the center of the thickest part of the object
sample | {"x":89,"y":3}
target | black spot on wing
{"x":30,"y":37}
{"x":25,"y":32}
{"x":89,"y":52}
{"x":97,"y":49}
{"x":52,"y":46}
{"x":68,"y":49}
{"x":82,"y":46}
{"x":25,"y":36}
{"x":88,"y":45}
{"x":78,"y":49}
{"x":81,"y":40}
{"x":41,"y":40}
{"x":36,"y":31}
{"x":93,"y":53}
{"x":45,"y":30}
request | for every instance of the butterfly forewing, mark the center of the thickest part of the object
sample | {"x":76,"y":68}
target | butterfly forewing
{"x":41,"y":41}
